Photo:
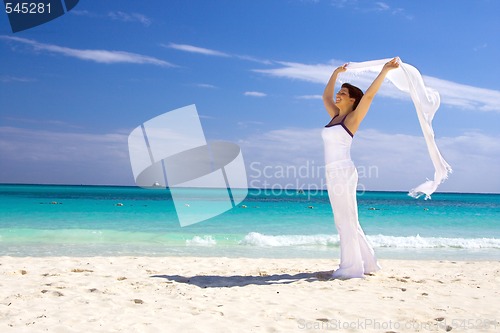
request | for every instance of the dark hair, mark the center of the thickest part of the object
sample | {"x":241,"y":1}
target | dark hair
{"x":354,"y":92}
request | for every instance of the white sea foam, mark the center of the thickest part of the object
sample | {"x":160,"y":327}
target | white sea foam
{"x":257,"y":239}
{"x":417,"y":242}
{"x":199,"y":241}
{"x":433,"y":242}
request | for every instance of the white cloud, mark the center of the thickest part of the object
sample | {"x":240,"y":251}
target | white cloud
{"x":254,"y":94}
{"x":480,"y":47}
{"x":206,"y":86}
{"x":382,"y":6}
{"x":402,"y":12}
{"x":467,"y":97}
{"x":342,"y":3}
{"x":452,"y":93}
{"x":211,"y":52}
{"x":82,"y":13}
{"x":249,"y":123}
{"x":99,"y":56}
{"x":42,"y":145}
{"x":309,"y":97}
{"x":132,"y":17}
{"x":318,"y":73}
{"x":41,"y":122}
{"x":116,"y":15}
{"x":41,"y":156}
{"x":253,"y":59}
{"x":10,"y":78}
{"x":196,"y":49}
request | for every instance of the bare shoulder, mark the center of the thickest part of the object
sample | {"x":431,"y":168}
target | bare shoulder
{"x":352,"y":121}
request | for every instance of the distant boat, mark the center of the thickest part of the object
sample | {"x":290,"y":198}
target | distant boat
{"x":156,"y":184}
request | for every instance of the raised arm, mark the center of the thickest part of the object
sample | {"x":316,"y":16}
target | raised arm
{"x":364,"y":105}
{"x":330,"y":106}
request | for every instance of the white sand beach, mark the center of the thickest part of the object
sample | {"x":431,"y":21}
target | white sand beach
{"x":179,"y":294}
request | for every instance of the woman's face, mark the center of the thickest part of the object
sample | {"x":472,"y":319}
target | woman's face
{"x":342,"y":99}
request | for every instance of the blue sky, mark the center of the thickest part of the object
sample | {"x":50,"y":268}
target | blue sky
{"x":73,"y":89}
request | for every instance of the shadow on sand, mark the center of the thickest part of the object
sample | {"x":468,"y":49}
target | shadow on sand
{"x":217,"y":281}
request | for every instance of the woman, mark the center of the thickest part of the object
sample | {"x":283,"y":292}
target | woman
{"x":347,"y":111}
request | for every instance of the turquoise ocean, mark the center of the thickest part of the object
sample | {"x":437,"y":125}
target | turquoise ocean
{"x":52,"y":220}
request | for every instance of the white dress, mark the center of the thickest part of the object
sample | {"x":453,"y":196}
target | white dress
{"x":356,"y":255}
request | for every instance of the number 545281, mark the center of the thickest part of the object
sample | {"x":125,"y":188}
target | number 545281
{"x":27,"y":8}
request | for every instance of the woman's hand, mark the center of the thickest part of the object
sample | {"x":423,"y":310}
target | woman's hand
{"x":363,"y":106}
{"x":340,"y":69}
{"x":393,"y":63}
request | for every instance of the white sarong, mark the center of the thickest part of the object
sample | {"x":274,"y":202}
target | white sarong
{"x":426,"y":100}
